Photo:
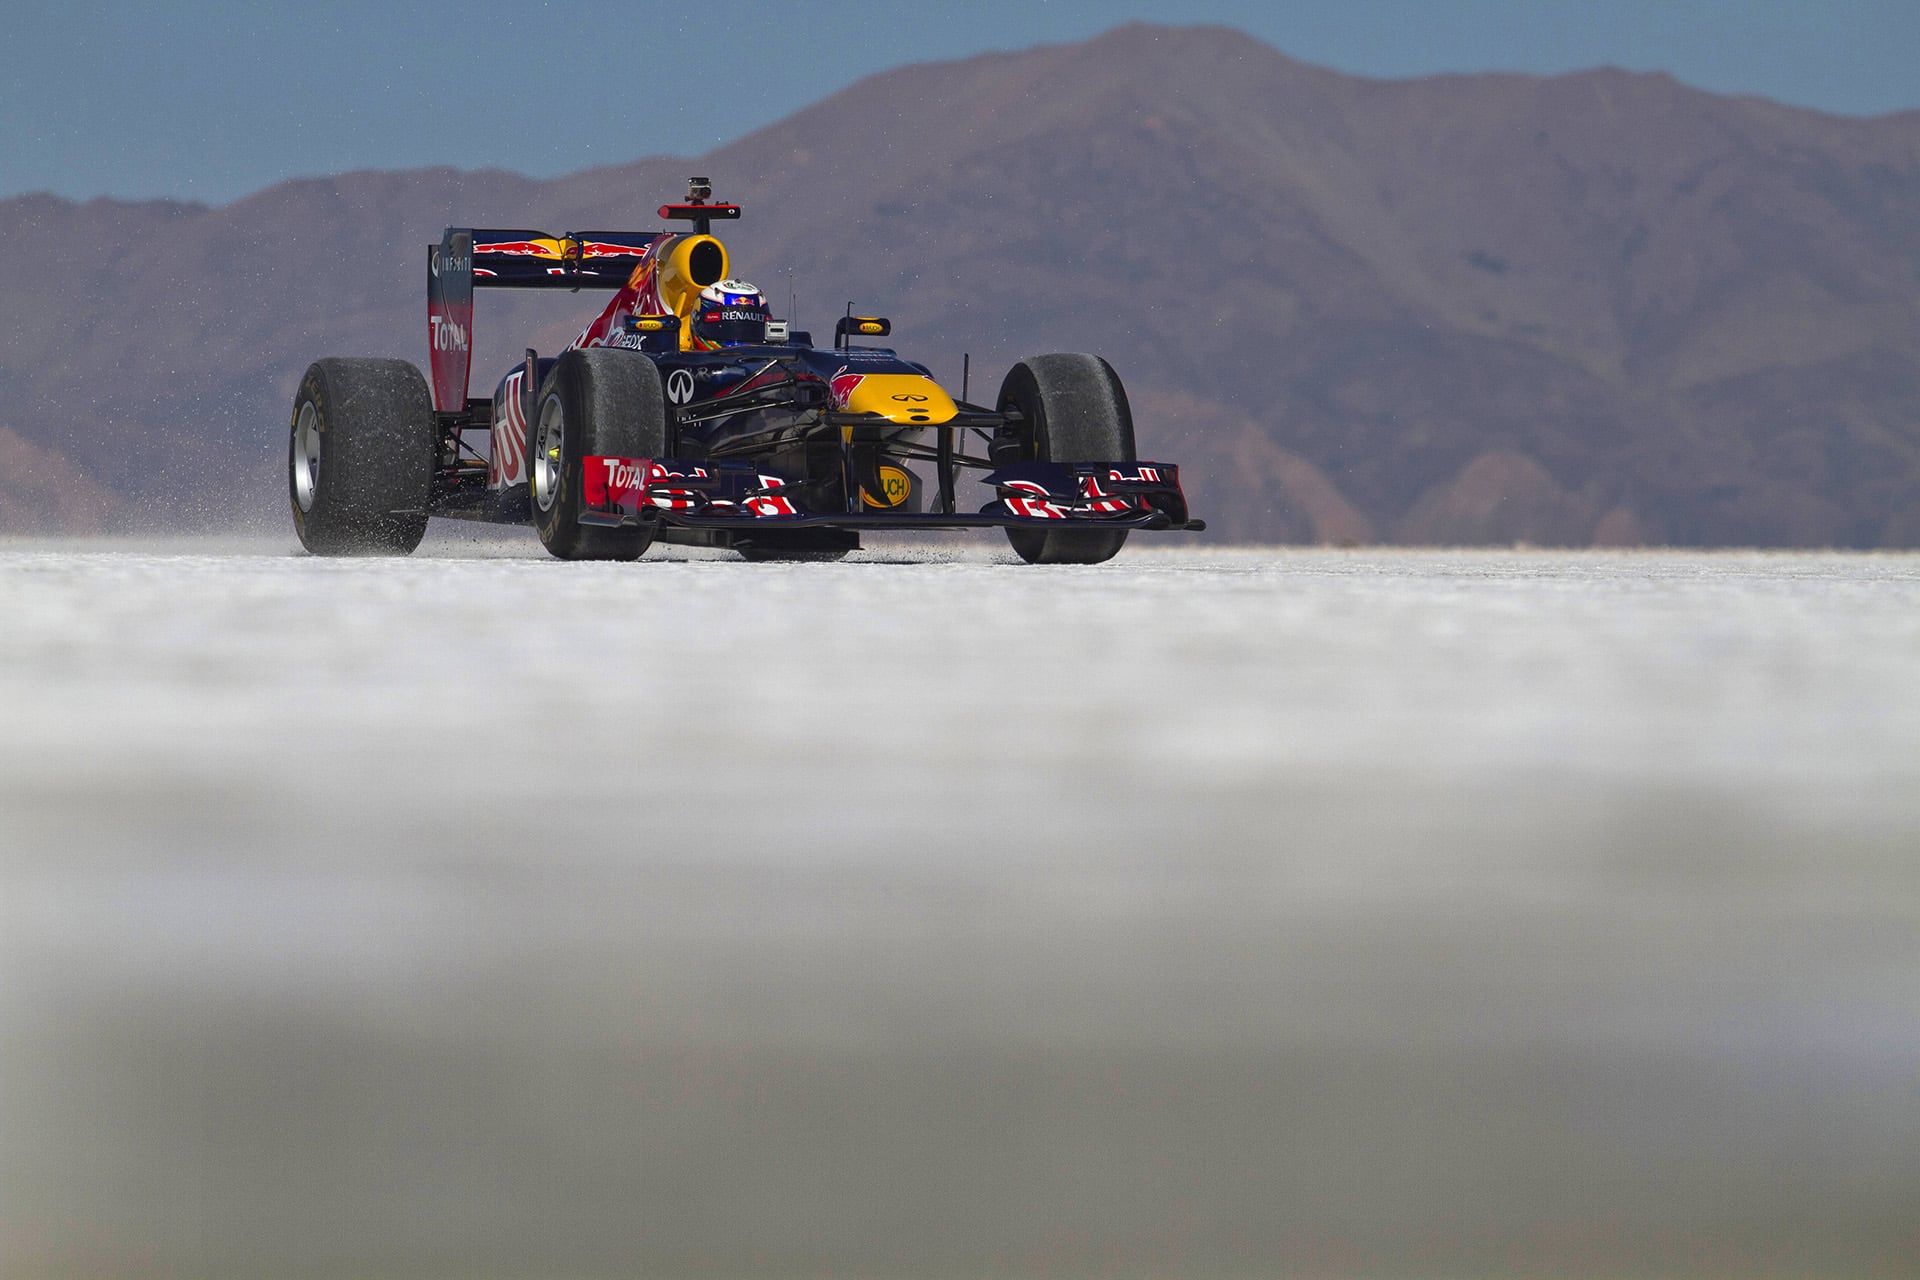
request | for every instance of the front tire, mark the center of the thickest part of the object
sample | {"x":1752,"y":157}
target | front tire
{"x":1075,"y":410}
{"x":596,"y":403}
{"x":360,"y":457}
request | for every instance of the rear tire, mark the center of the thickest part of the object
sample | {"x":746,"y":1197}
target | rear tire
{"x":360,"y":457}
{"x":1075,"y":410}
{"x":596,"y":403}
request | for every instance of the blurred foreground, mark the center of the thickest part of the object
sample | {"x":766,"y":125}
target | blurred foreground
{"x":1277,"y":913}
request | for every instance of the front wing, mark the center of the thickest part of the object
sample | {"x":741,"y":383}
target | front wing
{"x":738,"y":495}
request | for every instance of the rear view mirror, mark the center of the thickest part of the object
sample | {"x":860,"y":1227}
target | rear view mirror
{"x":860,"y":326}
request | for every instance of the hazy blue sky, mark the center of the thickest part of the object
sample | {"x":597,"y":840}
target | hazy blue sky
{"x":210,"y":100}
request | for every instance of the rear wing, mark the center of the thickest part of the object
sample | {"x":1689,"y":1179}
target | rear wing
{"x":469,"y":258}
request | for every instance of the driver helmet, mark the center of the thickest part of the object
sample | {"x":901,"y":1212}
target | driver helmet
{"x":731,"y":313}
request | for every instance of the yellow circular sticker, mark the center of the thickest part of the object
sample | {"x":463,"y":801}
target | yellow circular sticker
{"x":895,"y":486}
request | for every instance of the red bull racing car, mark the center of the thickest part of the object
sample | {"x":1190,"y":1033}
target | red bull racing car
{"x":685,"y":413}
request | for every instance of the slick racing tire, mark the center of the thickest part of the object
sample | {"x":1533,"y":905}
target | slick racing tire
{"x":1074,"y":410}
{"x":360,"y":458}
{"x":596,"y":403}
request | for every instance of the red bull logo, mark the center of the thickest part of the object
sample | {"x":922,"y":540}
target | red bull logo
{"x":843,"y":386}
{"x":595,"y":249}
{"x":554,"y":247}
{"x":521,"y":248}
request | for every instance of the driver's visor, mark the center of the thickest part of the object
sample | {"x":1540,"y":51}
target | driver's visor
{"x":715,"y":326}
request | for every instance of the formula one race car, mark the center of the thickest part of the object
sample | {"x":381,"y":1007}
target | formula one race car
{"x":685,"y":413}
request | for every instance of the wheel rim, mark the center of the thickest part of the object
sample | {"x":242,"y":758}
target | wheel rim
{"x":547,"y":441}
{"x":306,"y":455}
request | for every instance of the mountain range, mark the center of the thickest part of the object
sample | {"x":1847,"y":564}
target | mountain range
{"x":1592,"y":309}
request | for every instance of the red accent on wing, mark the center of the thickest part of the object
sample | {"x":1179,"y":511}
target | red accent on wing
{"x":843,"y":386}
